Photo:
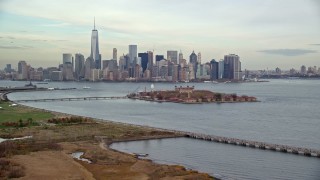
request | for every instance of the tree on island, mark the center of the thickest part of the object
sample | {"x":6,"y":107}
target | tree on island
{"x":234,"y":96}
{"x":218,"y":96}
{"x":159,"y":96}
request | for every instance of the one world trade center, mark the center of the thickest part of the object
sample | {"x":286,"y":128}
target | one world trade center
{"x":95,"y":55}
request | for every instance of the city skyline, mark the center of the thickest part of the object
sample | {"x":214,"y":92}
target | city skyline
{"x":272,"y":34}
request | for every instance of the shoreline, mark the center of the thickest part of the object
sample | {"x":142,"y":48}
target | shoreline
{"x":189,"y":95}
{"x":308,"y":152}
{"x":89,"y":142}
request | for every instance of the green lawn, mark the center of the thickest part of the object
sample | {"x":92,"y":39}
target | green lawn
{"x":15,"y":113}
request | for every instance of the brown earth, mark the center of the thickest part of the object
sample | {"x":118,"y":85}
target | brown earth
{"x":51,"y":165}
{"x":107,"y":164}
{"x":48,"y":154}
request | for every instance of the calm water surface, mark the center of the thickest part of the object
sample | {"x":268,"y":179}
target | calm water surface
{"x":287,"y":114}
{"x":225,"y":161}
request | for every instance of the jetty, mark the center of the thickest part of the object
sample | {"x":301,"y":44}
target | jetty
{"x":308,"y":152}
{"x":255,"y":144}
{"x":72,"y":99}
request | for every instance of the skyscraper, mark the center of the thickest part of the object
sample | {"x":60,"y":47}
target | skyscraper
{"x":144,"y":61}
{"x":22,"y":70}
{"x":67,"y":67}
{"x":303,"y":70}
{"x":88,"y":66}
{"x":66,"y":58}
{"x":122,"y":63}
{"x":150,"y":61}
{"x":114,"y":54}
{"x":193,"y":58}
{"x":175,"y":73}
{"x":221,"y":69}
{"x":180,"y":57}
{"x":79,"y":65}
{"x":172,"y":56}
{"x":95,"y":55}
{"x":214,"y":70}
{"x":159,"y":57}
{"x":110,"y":64}
{"x":232,"y":67}
{"x":8,"y":68}
{"x":194,"y":61}
{"x":133,"y":54}
{"x":67,"y":72}
{"x":199,"y":58}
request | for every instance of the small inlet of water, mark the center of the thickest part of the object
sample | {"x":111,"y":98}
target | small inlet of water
{"x":13,"y":139}
{"x":77,"y":155}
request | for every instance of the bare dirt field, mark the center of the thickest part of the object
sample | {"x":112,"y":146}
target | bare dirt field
{"x":47,"y":155}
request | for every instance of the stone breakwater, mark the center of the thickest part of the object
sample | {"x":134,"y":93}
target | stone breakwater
{"x":226,"y":140}
{"x":255,"y":144}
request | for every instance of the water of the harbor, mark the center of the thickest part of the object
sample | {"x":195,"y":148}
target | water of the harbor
{"x":287,"y":114}
{"x":225,"y":161}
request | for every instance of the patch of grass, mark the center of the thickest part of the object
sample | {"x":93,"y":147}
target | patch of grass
{"x":10,"y":113}
{"x":69,"y":120}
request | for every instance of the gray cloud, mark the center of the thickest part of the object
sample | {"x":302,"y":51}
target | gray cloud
{"x":316,"y":5}
{"x":61,"y":40}
{"x":288,"y":52}
{"x":15,"y":47}
{"x":56,"y":25}
{"x":46,"y":40}
{"x":35,"y":31}
{"x":7,"y":37}
{"x":314,"y":44}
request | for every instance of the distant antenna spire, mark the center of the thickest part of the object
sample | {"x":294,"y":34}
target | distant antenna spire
{"x":94,"y":23}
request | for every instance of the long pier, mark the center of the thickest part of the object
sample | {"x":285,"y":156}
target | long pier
{"x":72,"y":99}
{"x":255,"y":144}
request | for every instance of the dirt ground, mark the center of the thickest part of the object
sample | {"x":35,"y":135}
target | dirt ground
{"x":47,"y":155}
{"x":107,"y":164}
{"x":51,"y":165}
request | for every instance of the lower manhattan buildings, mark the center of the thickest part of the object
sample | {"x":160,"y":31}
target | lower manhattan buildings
{"x":133,"y":66}
{"x":145,"y":67}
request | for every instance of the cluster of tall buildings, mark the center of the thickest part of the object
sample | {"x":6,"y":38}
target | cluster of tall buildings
{"x":134,"y":66}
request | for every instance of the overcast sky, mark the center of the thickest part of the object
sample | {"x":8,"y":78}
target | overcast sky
{"x":264,"y":33}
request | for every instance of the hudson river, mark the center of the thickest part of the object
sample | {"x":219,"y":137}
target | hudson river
{"x":289,"y":114}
